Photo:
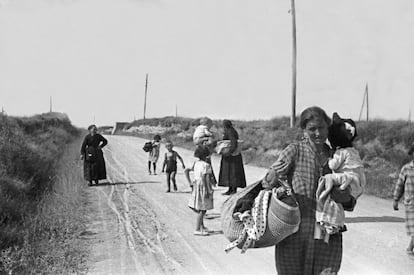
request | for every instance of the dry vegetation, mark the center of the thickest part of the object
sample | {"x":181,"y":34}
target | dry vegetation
{"x":40,"y":194}
{"x":382,"y":144}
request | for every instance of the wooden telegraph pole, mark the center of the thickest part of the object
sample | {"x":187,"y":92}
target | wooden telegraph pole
{"x":145,"y":99}
{"x":293,"y":115}
{"x":365,"y":102}
{"x":50,"y":104}
{"x":366,"y":92}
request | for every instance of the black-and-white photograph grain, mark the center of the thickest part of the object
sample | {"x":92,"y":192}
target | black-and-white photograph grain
{"x":207,"y":137}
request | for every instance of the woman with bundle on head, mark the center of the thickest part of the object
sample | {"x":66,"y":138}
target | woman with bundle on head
{"x":231,"y":167}
{"x":91,"y":152}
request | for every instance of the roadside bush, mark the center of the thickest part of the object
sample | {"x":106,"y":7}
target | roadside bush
{"x":30,"y":150}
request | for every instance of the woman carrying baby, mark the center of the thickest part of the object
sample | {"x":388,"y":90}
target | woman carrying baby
{"x":302,"y":164}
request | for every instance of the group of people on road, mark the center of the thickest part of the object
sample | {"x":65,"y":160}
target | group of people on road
{"x":302,"y":163}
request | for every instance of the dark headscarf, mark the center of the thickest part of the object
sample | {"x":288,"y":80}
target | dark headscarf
{"x":227,"y":124}
{"x":202,"y":152}
{"x":92,"y":126}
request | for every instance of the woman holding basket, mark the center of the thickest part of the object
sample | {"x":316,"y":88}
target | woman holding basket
{"x":301,"y":164}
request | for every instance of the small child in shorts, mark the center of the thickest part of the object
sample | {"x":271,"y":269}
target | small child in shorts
{"x":170,"y":165}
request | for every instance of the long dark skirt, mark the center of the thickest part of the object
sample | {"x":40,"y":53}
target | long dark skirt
{"x":232,"y":172}
{"x":95,"y":170}
{"x":301,"y":254}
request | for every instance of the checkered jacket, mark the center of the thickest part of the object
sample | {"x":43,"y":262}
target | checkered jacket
{"x":405,"y":185}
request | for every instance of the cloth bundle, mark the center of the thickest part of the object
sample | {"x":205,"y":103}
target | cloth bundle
{"x":270,"y":221}
{"x":223,"y":147}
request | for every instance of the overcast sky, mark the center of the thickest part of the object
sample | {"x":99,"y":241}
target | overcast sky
{"x":221,"y":58}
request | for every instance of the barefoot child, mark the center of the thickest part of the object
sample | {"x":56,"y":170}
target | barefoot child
{"x":405,"y":185}
{"x":170,"y":165}
{"x":154,"y":154}
{"x":202,"y":194}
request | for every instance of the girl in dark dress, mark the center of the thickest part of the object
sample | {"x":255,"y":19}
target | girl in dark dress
{"x":231,"y":167}
{"x":91,"y":152}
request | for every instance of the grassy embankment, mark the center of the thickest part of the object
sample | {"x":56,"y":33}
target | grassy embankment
{"x":40,"y":195}
{"x":382,"y":144}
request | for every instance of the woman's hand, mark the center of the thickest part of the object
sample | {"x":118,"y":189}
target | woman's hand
{"x":395,"y":205}
{"x":82,"y":157}
{"x":271,"y":180}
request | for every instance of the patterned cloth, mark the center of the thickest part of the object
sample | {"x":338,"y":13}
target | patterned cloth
{"x":300,"y":253}
{"x":405,"y":186}
{"x":254,"y":225}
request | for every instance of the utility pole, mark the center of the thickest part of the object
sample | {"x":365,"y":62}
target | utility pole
{"x":176,"y":111}
{"x":50,"y":104}
{"x":366,"y":93}
{"x":294,"y":53}
{"x":364,"y":102}
{"x":145,"y":98}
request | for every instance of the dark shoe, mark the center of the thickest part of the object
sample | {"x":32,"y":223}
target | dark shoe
{"x":168,"y":191}
{"x":227,"y":193}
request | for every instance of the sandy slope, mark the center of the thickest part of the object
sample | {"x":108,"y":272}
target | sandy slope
{"x":137,"y":228}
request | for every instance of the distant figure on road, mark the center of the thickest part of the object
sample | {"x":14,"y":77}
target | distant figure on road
{"x":302,"y":163}
{"x":170,"y":165}
{"x":154,"y":154}
{"x":405,"y":186}
{"x":231,"y":167}
{"x":202,"y":189}
{"x":91,"y":152}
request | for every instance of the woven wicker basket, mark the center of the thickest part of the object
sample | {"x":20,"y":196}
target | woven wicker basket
{"x":282,"y":219}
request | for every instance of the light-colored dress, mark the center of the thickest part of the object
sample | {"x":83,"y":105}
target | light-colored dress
{"x":154,"y":154}
{"x":348,"y":168}
{"x":202,"y":195}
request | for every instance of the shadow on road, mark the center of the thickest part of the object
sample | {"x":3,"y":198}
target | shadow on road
{"x":122,"y":183}
{"x":373,"y":219}
{"x":215,"y":232}
{"x":211,"y":216}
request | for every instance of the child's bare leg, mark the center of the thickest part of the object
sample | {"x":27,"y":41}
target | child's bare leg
{"x":199,"y":222}
{"x":173,"y":180}
{"x":168,"y":181}
{"x":154,"y":165}
{"x":149,"y":167}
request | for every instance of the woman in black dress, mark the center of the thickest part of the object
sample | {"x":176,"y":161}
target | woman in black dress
{"x":231,"y":166}
{"x":91,"y":152}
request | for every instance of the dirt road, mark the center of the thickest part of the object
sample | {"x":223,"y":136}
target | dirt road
{"x":137,"y":228}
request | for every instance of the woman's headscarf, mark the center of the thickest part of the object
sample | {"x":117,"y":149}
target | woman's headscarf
{"x":227,"y":123}
{"x":91,"y":127}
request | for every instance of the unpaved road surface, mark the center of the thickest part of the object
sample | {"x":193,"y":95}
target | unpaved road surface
{"x":137,"y":228}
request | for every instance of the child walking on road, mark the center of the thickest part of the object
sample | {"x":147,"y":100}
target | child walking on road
{"x":154,"y":154}
{"x":170,"y":165}
{"x":202,"y":194}
{"x":405,"y":186}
